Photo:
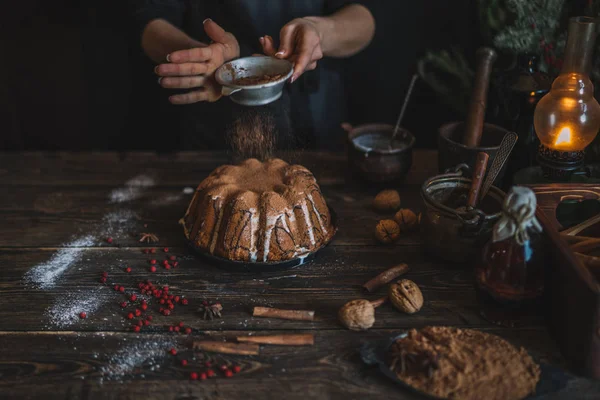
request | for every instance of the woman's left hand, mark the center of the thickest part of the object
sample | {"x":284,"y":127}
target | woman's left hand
{"x":300,"y":43}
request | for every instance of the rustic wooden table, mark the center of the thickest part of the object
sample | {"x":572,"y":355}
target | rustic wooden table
{"x":57,"y":210}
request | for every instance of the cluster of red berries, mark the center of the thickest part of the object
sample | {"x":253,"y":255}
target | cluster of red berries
{"x":104,"y":277}
{"x":168,"y":263}
{"x":209,"y":372}
{"x":549,"y":55}
{"x":149,"y":251}
{"x":166,"y":299}
{"x":180,"y":328}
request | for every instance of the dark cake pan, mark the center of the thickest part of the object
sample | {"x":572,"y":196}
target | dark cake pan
{"x":246,"y":266}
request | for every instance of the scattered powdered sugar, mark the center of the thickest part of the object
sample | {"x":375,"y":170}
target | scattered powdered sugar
{"x":132,"y":190}
{"x":118,"y":222}
{"x":65,"y":310}
{"x":148,"y":352}
{"x":166,"y":200}
{"x":45,"y":275}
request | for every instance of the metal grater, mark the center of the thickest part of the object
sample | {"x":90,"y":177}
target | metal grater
{"x":508,"y":142}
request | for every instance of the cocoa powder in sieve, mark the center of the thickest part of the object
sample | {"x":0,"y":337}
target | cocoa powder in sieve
{"x":454,"y":363}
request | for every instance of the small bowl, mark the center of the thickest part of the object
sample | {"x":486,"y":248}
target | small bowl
{"x":380,"y":165}
{"x":257,"y":94}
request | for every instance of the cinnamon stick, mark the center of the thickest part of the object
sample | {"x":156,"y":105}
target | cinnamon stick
{"x":589,"y":261}
{"x":385,"y":277}
{"x":246,"y":349}
{"x":307,"y":339}
{"x":299,"y":315}
{"x":586,"y":246}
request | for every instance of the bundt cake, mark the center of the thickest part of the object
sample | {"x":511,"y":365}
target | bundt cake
{"x":258,"y":212}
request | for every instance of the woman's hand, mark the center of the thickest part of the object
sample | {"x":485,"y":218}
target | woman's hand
{"x":300,"y":43}
{"x":194,"y":68}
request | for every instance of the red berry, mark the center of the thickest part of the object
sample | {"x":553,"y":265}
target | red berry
{"x":160,"y":310}
{"x":144,"y":307}
{"x":140,"y":323}
{"x":228,"y":373}
{"x":210,"y":373}
{"x":145,"y":251}
{"x":152,"y":251}
{"x":167,"y":312}
{"x":184,"y":362}
{"x":162,"y":301}
{"x":188,"y":330}
{"x":138,"y":312}
{"x":133,"y":297}
{"x":103,"y":280}
{"x":146,"y":322}
{"x":207,"y":364}
{"x":184,"y":302}
{"x":204,"y":302}
{"x":177,"y":298}
{"x":171,"y":306}
{"x":104,"y":274}
{"x":153,"y":269}
{"x":165,"y":263}
{"x":109,"y":240}
{"x":116,"y":288}
{"x":194,"y":376}
{"x":82,"y":315}
{"x":130,"y":316}
{"x":149,"y":317}
{"x":128,"y":269}
{"x":181,"y":324}
{"x":203,"y":376}
{"x":170,"y":329}
{"x":167,"y":267}
{"x":175,"y":264}
{"x":124,"y":304}
{"x":173,"y":351}
{"x":121,"y":289}
{"x":176,"y":328}
{"x":237,"y":368}
{"x":223,"y":367}
{"x":135,"y":328}
{"x":172,"y":258}
{"x":165,"y":288}
{"x":166,"y":249}
{"x":153,"y":261}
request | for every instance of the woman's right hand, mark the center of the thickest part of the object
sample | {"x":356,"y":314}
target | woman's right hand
{"x":194,"y":68}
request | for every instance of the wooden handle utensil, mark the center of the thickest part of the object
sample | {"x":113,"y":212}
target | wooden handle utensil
{"x":477,"y":180}
{"x":476,"y":115}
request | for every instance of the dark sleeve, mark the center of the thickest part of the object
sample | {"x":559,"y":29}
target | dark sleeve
{"x":332,"y":6}
{"x":144,"y":11}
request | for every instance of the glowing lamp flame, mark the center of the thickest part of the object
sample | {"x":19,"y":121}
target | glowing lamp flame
{"x":564,"y":137}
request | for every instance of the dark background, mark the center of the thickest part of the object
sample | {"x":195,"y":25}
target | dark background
{"x":65,"y":72}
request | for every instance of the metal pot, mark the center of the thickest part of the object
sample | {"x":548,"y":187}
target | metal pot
{"x":259,"y":94}
{"x":380,"y":165}
{"x":451,"y":234}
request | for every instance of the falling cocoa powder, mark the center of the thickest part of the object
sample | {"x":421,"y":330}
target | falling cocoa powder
{"x":252,"y":135}
{"x":454,"y":363}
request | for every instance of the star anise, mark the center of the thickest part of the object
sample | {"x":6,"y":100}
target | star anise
{"x":148,"y":237}
{"x":210,"y":311}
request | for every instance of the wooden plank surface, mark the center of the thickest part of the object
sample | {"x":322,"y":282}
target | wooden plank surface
{"x":50,"y":202}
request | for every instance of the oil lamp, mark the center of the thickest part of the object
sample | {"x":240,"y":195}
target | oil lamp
{"x":567,"y":119}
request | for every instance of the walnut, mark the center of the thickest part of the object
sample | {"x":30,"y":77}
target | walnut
{"x":387,"y":231}
{"x":359,"y":315}
{"x":406,"y":296}
{"x":387,"y":200}
{"x":407,"y":219}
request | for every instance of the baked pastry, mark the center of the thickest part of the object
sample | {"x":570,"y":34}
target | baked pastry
{"x":258,"y":212}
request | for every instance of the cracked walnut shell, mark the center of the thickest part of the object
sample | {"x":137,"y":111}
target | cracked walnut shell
{"x":387,"y":200}
{"x":387,"y":231}
{"x":407,"y":219}
{"x":406,"y":296}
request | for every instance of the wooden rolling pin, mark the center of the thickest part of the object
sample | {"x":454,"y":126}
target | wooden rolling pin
{"x":476,"y":114}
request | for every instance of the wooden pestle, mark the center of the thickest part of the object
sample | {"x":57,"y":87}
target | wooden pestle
{"x":476,"y":114}
{"x":478,"y":175}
